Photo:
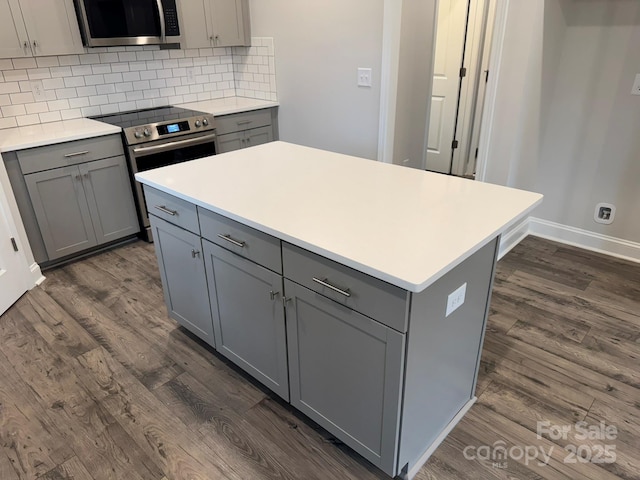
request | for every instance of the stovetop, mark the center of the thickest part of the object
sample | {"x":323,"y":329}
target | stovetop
{"x":146,"y":125}
{"x":138,"y":118}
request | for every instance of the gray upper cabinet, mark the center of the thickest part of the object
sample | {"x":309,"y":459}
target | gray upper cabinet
{"x":38,"y":28}
{"x":215,"y":23}
{"x":60,"y":204}
{"x":184,"y":280}
{"x":345,"y":373}
{"x":248,"y":316}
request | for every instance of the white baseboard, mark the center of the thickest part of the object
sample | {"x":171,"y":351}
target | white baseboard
{"x":616,"y":247}
{"x":36,"y":275}
{"x":439,"y":439}
{"x":513,"y":237}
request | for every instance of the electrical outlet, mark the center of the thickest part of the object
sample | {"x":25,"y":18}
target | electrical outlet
{"x":636,"y":86}
{"x":605,"y":213}
{"x":37,"y":89}
{"x":364,"y":77}
{"x":456,"y":299}
{"x":190,"y":76}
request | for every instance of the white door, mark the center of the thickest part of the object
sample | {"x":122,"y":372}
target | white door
{"x":14,"y":272}
{"x":451,"y":25}
{"x":14,"y":41}
{"x":53,"y":27}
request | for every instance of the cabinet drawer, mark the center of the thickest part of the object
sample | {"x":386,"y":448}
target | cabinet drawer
{"x":242,"y":121}
{"x":241,"y":239}
{"x":69,"y":153}
{"x":172,"y":209}
{"x":379,"y":300}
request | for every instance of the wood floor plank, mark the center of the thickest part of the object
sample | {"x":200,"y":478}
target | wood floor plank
{"x":72,"y":469}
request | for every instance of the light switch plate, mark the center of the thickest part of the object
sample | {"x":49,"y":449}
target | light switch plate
{"x":364,"y":77}
{"x":636,"y":86}
{"x":456,"y":299}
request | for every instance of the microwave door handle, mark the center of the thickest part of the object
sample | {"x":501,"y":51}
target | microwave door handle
{"x":162,"y":24}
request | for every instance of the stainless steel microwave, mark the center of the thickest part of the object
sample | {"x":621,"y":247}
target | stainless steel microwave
{"x":105,"y":23}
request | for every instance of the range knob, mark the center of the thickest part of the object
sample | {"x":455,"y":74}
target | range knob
{"x":137,"y":134}
{"x":146,"y":132}
{"x":205,"y":122}
{"x":198,"y":124}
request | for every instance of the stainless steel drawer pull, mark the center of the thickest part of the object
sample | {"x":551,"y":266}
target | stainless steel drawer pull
{"x":272,"y":294}
{"x":324,"y":283}
{"x":244,"y":122}
{"x":164,"y":209}
{"x":231,"y":240}
{"x":195,"y":253}
{"x":69,"y":155}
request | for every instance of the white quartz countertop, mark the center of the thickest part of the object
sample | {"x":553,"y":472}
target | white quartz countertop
{"x":404,"y":226}
{"x":20,"y":138}
{"x":226,"y":106}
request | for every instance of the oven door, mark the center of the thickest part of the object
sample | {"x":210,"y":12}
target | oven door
{"x":128,"y":22}
{"x":161,"y":153}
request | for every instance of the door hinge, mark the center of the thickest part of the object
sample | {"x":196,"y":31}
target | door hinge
{"x":463,"y":72}
{"x":15,"y":245}
{"x":454,"y":144}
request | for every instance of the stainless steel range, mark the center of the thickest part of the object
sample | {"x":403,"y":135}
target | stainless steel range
{"x":158,"y":137}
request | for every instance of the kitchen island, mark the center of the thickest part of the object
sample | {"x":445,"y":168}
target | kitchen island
{"x":358,"y":291}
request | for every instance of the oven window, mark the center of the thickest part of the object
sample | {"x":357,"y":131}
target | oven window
{"x":185,"y":154}
{"x":123,"y":18}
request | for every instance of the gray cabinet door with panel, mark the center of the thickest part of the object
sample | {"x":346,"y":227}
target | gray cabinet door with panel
{"x":184,"y":280}
{"x":108,"y":190}
{"x":61,"y":209}
{"x":345,"y":373}
{"x":230,"y":142}
{"x":258,"y":136}
{"x":248,"y":316}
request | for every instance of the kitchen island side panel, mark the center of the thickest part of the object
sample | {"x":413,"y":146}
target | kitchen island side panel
{"x":442,"y":352}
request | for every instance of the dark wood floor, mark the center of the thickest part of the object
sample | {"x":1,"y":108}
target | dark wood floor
{"x":97,"y":383}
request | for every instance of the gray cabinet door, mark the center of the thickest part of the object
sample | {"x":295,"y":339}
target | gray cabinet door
{"x":248,"y":316}
{"x":345,"y":373}
{"x":258,"y":136}
{"x":61,"y":208}
{"x":230,"y":142}
{"x":110,"y":198}
{"x":183,"y":277}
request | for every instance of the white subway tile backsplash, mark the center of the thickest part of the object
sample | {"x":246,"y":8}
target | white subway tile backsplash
{"x":24,"y":120}
{"x":13,"y":110}
{"x":58,"y":105}
{"x":50,"y":117}
{"x":87,"y":91}
{"x":113,"y":79}
{"x":20,"y":63}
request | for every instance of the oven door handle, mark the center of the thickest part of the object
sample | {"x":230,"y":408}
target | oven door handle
{"x":165,"y":147}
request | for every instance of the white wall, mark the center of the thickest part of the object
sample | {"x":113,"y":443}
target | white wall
{"x":318,"y":48}
{"x":590,"y":149}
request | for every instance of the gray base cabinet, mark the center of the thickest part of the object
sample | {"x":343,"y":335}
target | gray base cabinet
{"x":81,"y":206}
{"x":248,"y":318}
{"x":184,"y":280}
{"x":345,"y":373}
{"x":247,"y":129}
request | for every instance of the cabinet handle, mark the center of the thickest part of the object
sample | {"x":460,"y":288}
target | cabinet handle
{"x":25,"y":45}
{"x":77,"y":175}
{"x":324,"y":283}
{"x":285,"y":300}
{"x":272,"y":294}
{"x":69,"y":155}
{"x":244,"y":122}
{"x":231,"y":240}
{"x":35,"y":44}
{"x":195,"y":253}
{"x":85,"y":175}
{"x":164,"y":209}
